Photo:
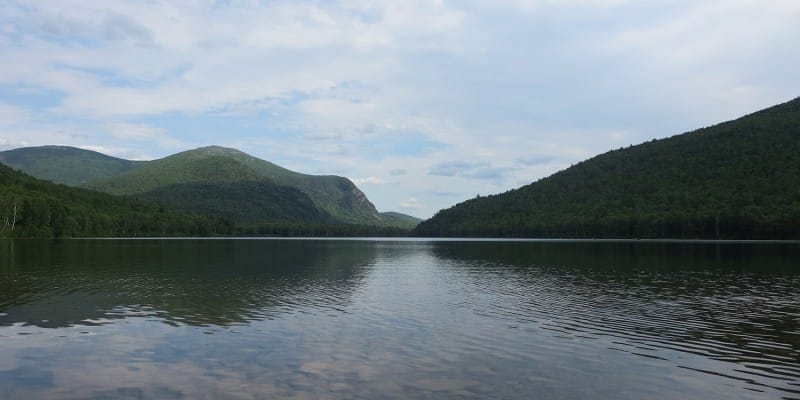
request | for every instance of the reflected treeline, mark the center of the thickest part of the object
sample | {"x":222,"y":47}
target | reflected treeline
{"x":195,"y":282}
{"x":753,"y":257}
{"x":729,"y":302}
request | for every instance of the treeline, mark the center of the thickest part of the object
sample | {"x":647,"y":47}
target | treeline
{"x":288,"y":229}
{"x":726,"y":225}
{"x":735,"y":180}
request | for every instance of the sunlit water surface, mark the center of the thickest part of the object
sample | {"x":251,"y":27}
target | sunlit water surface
{"x":369,"y":319}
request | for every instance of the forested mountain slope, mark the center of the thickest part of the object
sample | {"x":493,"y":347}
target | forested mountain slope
{"x":738,"y":179}
{"x":216,"y":180}
{"x":246,"y":189}
{"x":334,"y":196}
{"x":30,"y":207}
{"x":408,"y":220}
{"x":247,"y":203}
{"x":63,"y":164}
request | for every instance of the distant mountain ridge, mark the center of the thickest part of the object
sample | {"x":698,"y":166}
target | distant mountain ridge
{"x":217,"y":180}
{"x":735,"y":180}
{"x":402,"y":217}
{"x":63,"y":164}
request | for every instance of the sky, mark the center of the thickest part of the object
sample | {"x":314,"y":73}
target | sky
{"x":423,"y":104}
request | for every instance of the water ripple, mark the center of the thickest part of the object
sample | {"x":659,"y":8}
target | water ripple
{"x":748,"y":321}
{"x":326,"y":319}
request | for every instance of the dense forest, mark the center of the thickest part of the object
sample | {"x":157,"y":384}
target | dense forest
{"x":246,"y":203}
{"x":33,"y":208}
{"x":736,"y":180}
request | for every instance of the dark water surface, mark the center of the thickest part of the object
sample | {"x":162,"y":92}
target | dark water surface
{"x":346,"y":319}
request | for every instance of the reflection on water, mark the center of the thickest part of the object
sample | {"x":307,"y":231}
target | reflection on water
{"x":398,"y":319}
{"x":732,"y":303}
{"x":62,"y":283}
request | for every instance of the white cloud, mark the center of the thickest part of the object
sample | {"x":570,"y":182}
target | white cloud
{"x":370,"y":180}
{"x":142,"y":132}
{"x":518,"y":88}
{"x":411,"y":203}
{"x":532,"y":5}
{"x":134,"y":131}
{"x":11,"y":115}
{"x":722,"y":52}
{"x":201,"y":58}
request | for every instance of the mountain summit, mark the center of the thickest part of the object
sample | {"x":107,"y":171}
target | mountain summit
{"x":335,"y":196}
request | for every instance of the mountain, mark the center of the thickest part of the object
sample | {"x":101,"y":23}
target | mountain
{"x":240,"y":182}
{"x":400,"y":220}
{"x":34,"y":208}
{"x":64,"y":164}
{"x":246,"y":203}
{"x":30,"y":207}
{"x":735,"y":180}
{"x":215,"y":180}
{"x":335,"y":195}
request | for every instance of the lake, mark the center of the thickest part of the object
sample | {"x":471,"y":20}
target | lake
{"x":344,"y":319}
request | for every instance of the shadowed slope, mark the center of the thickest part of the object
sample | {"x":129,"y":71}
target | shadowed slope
{"x":738,"y":179}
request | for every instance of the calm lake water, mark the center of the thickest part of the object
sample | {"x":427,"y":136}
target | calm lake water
{"x":343,"y":319}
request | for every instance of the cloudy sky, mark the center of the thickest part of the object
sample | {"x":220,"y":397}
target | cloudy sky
{"x":422,"y":103}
